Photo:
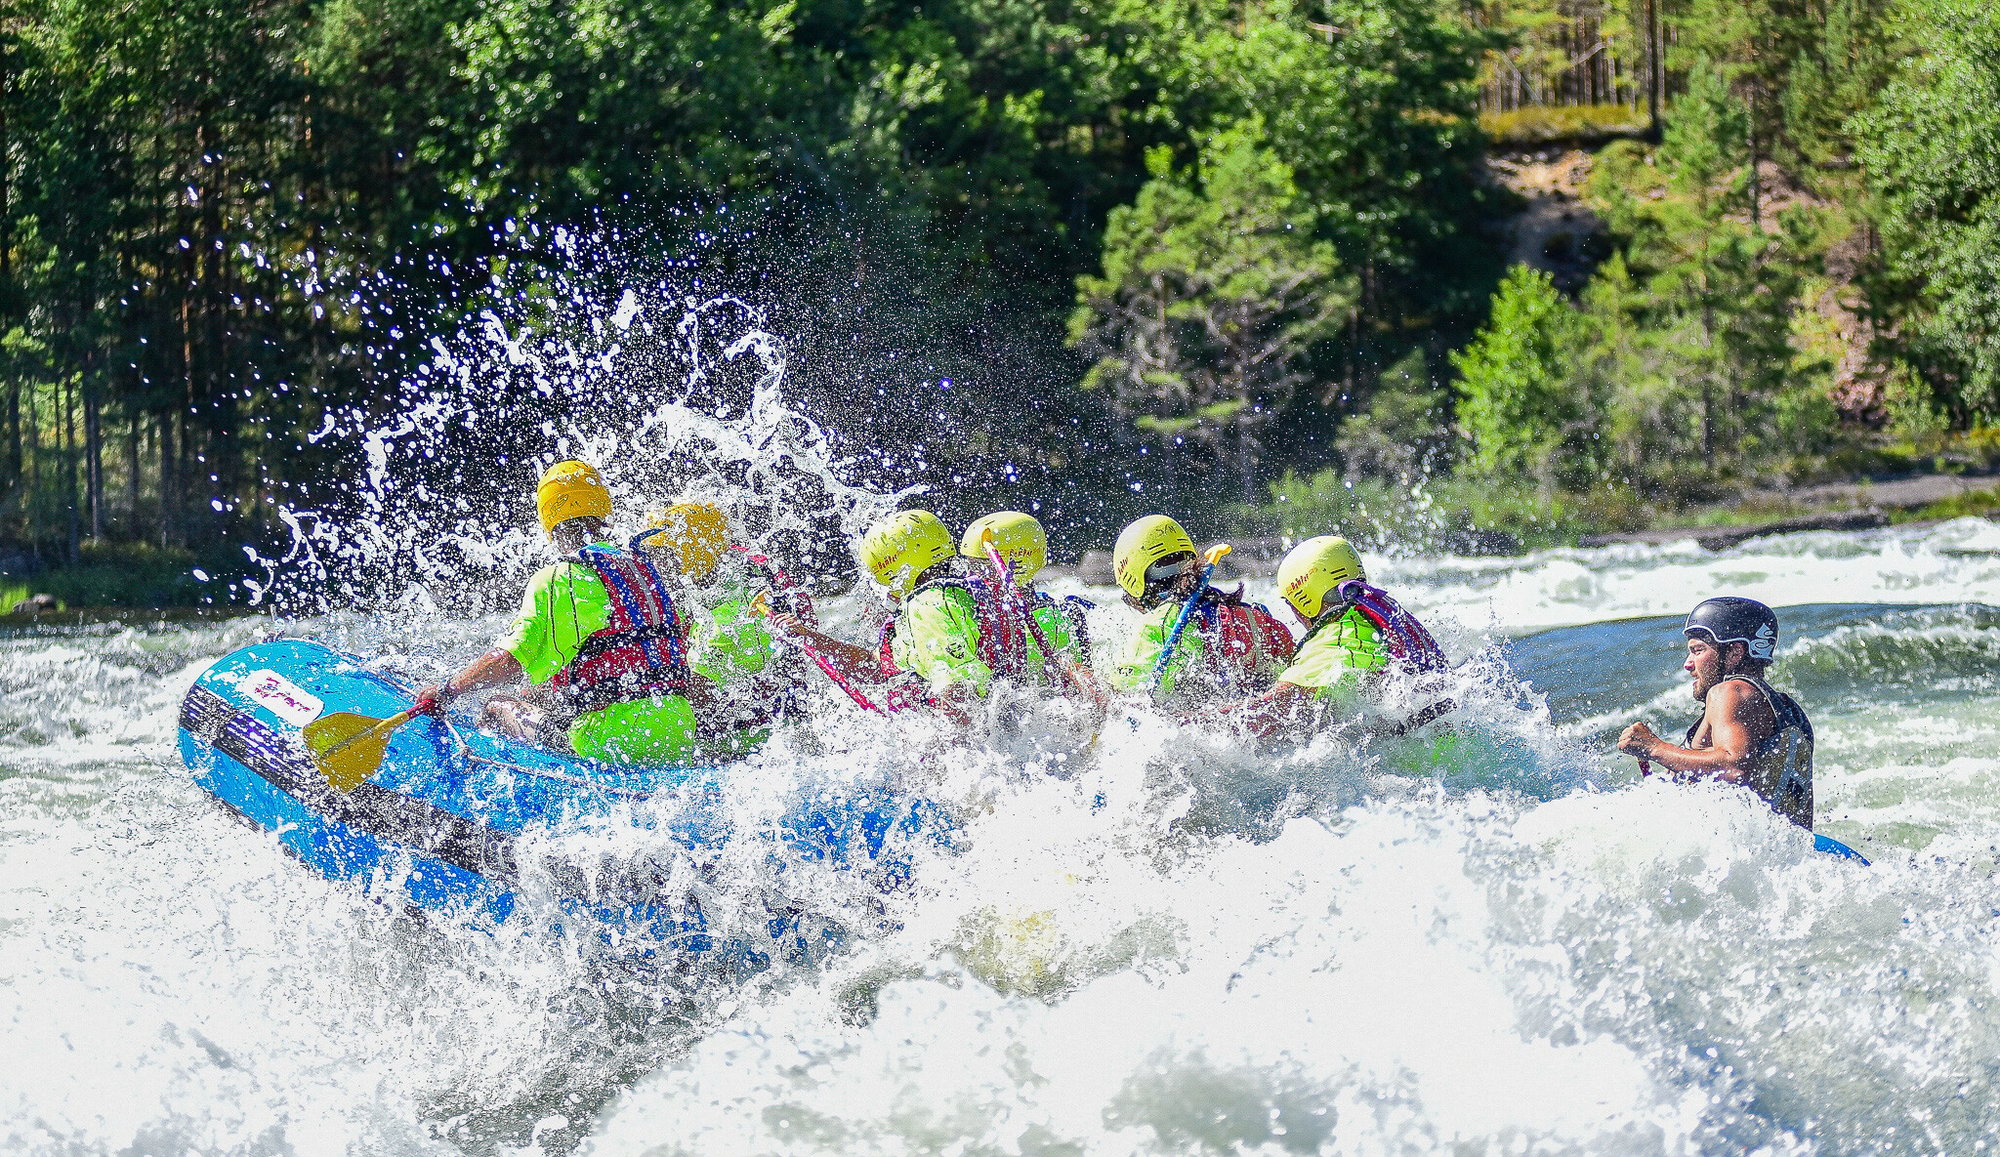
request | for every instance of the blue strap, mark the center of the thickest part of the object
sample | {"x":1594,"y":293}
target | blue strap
{"x":645,"y":560}
{"x":1180,"y":624}
{"x":615,"y":583}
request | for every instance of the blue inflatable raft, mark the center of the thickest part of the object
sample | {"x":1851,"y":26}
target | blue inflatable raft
{"x":1832,"y":847}
{"x":437,"y":828}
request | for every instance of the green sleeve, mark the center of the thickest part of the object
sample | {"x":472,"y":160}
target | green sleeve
{"x":532,"y":641}
{"x":937,"y":636}
{"x":1060,"y":633}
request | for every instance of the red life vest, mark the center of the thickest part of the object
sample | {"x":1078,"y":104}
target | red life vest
{"x":642,"y":651}
{"x":1243,"y":645}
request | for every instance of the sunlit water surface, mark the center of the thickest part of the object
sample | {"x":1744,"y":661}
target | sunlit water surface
{"x":1170,"y":943}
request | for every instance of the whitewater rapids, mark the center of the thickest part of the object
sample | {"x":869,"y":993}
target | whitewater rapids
{"x":1167,"y":944}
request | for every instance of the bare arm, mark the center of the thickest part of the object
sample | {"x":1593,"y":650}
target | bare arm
{"x":1268,"y":714}
{"x":852,"y":661}
{"x":496,"y":668}
{"x":1732,"y":732}
{"x":1081,"y":678}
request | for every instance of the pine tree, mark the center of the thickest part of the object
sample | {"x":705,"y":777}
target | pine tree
{"x":1517,"y":404}
{"x":1213,"y":292}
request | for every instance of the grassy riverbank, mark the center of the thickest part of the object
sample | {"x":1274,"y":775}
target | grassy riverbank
{"x":124,"y":575}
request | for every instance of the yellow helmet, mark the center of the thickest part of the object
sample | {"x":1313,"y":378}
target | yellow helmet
{"x":1141,"y":545}
{"x":898,"y":549}
{"x":698,"y":533}
{"x":571,"y":490}
{"x":1314,"y":569}
{"x":1018,"y":537}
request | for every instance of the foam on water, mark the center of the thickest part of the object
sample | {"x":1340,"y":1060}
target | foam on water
{"x":1160,"y":942}
{"x":1955,"y":562}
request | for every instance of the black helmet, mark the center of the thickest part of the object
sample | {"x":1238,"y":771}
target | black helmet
{"x":1732,"y":620}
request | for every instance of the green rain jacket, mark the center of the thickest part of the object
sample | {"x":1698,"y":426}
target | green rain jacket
{"x":732,"y":648}
{"x":730,"y":640}
{"x":1340,"y":663}
{"x":566,"y":603}
{"x":1335,"y":661}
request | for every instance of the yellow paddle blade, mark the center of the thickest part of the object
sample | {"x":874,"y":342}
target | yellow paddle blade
{"x":347,"y":748}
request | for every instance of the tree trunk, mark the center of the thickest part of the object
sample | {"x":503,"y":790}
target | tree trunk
{"x":72,"y":499}
{"x":10,"y":465}
{"x":93,"y":459}
{"x":1656,"y":69}
{"x":168,"y":456}
{"x":132,"y":475}
{"x":1757,"y":193}
{"x":1708,"y":388}
{"x":1246,"y":460}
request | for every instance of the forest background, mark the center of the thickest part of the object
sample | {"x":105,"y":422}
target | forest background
{"x":1242,"y":259}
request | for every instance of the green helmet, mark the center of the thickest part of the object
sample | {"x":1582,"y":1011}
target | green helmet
{"x":1315,"y":569}
{"x":1141,"y":546}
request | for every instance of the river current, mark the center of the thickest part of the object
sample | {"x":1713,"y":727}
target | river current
{"x":1170,"y":943}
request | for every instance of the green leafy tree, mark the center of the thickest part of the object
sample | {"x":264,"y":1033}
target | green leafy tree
{"x":1928,"y":146}
{"x":1214,"y":291}
{"x":1517,"y":405}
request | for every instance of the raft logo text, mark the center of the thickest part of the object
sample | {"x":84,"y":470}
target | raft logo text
{"x":282,"y":697}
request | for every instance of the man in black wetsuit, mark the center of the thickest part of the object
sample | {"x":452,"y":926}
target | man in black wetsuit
{"x":1749,"y":732}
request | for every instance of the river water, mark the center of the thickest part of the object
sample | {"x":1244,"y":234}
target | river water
{"x":1170,"y":943}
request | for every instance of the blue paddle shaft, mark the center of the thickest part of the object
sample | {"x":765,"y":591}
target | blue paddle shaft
{"x":1180,"y":624}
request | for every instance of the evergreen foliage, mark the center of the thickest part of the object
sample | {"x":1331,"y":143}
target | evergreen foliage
{"x":1516,"y":403}
{"x":1214,"y":292}
{"x":1244,"y":212}
{"x":1931,"y":145}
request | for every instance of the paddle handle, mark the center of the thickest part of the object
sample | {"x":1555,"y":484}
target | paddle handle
{"x":382,"y":728}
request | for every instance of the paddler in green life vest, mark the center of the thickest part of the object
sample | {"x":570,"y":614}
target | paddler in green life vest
{"x":943,"y":646}
{"x":1026,"y":634}
{"x":733,"y":590}
{"x":1357,"y":640}
{"x":1194,"y":645}
{"x":602,"y":631}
